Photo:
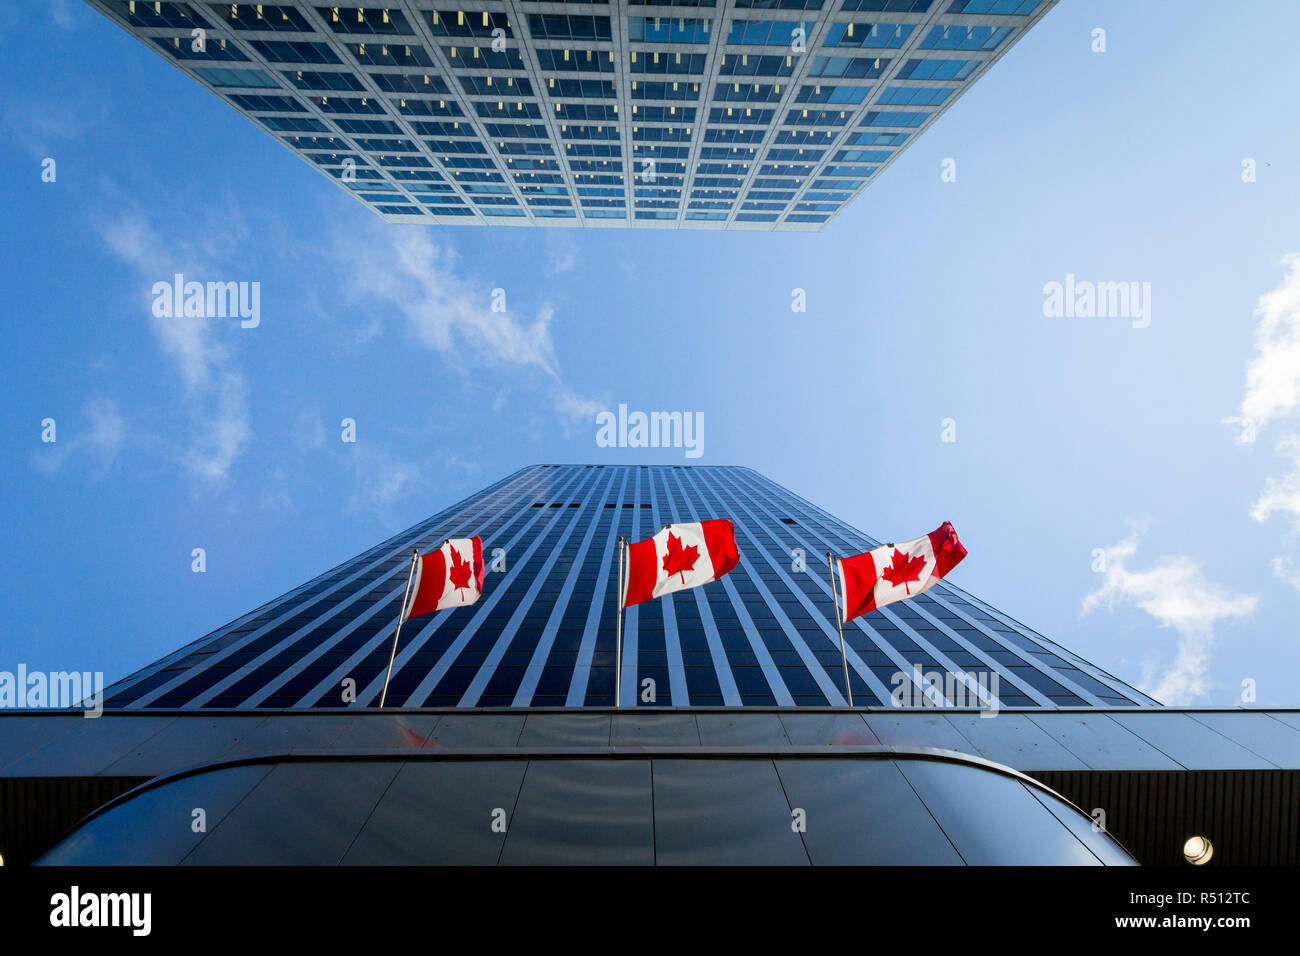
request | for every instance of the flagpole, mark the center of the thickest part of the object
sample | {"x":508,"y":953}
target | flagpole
{"x":848,"y":689}
{"x":618,"y":639}
{"x":401,"y":616}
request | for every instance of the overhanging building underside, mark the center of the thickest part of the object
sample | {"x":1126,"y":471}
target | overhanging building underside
{"x":709,"y":114}
{"x":694,"y":786}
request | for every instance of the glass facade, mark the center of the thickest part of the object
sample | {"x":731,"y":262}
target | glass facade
{"x":623,"y":113}
{"x":543,"y":634}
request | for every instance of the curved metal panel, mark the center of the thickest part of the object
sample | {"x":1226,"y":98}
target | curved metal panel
{"x":779,"y":806}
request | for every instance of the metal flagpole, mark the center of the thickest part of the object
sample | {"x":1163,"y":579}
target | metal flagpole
{"x":401,"y":616}
{"x":618,"y":645}
{"x":848,"y":689}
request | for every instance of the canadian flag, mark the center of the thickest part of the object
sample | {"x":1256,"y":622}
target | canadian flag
{"x":452,"y":576}
{"x":896,"y":571}
{"x":678,"y":557}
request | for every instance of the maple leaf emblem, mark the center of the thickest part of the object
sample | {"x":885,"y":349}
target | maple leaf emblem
{"x":679,"y":560}
{"x":460,"y":571}
{"x":904,"y":568}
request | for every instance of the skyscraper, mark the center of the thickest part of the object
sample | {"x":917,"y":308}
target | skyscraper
{"x":544,"y":633}
{"x":712,"y":114}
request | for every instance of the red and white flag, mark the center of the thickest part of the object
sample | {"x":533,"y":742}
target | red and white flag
{"x":678,"y":557}
{"x":895,"y":572}
{"x":452,"y":576}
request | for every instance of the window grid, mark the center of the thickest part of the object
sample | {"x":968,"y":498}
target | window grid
{"x":543,"y":634}
{"x":671,"y":59}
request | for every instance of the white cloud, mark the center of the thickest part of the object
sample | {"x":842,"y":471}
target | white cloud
{"x":275,"y":491}
{"x":1273,"y":374}
{"x":455,"y":463}
{"x":215,"y":390}
{"x":227,"y":433}
{"x":100,"y":439}
{"x":1282,"y":494}
{"x":1272,"y":394}
{"x":1177,"y":594}
{"x":382,"y":481}
{"x":561,"y":253}
{"x":134,"y":240}
{"x":1285,"y":571}
{"x":42,"y":125}
{"x":107,"y":428}
{"x":577,"y":408}
{"x":410,"y":274}
{"x":417,"y":278}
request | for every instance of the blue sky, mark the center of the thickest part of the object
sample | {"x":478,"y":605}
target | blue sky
{"x":924,"y":303}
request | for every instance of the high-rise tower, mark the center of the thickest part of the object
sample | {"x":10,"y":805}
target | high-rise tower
{"x":694,"y":114}
{"x":544,"y":633}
